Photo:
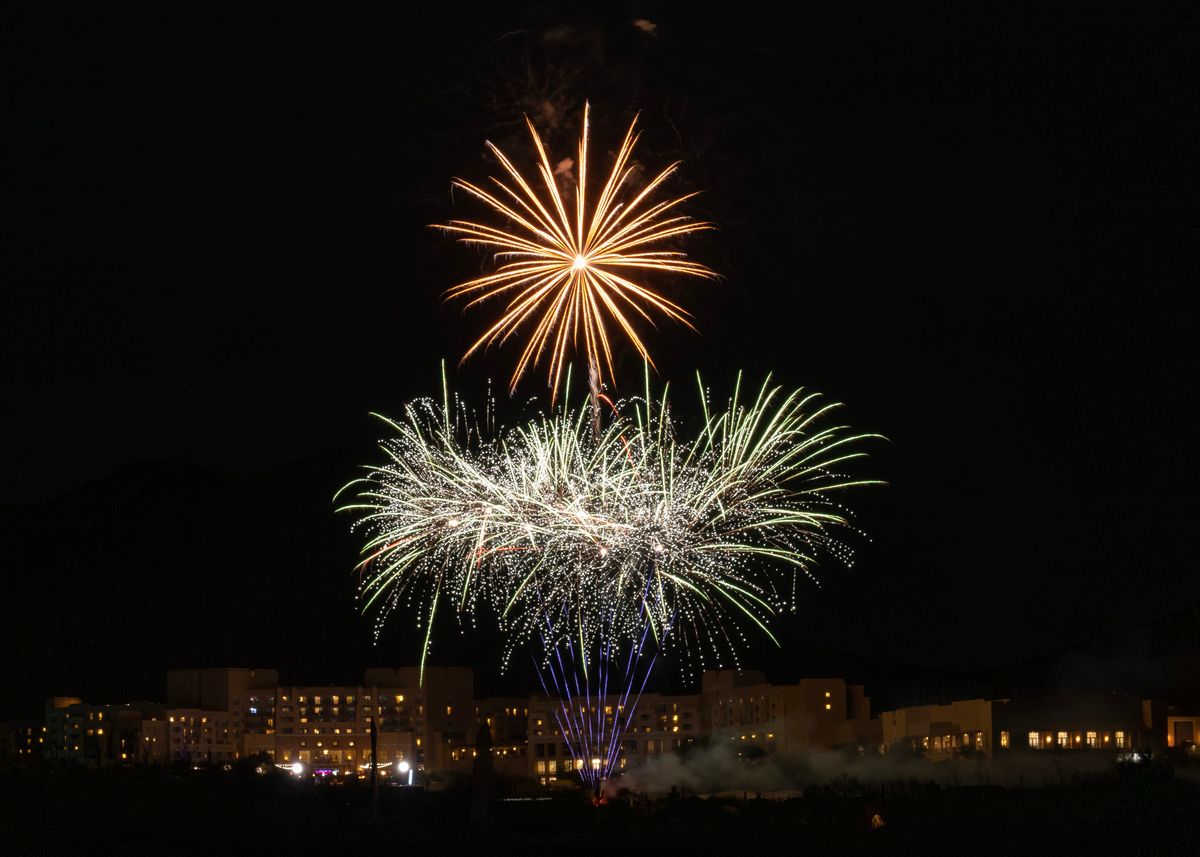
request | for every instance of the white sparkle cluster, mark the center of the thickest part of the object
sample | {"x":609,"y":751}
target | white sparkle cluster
{"x":569,"y":528}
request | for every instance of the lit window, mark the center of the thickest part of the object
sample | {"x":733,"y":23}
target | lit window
{"x":827,"y":694}
{"x":399,"y":698}
{"x":1092,"y":740}
{"x":540,"y":767}
{"x":1004,"y":740}
{"x":449,"y":710}
{"x":1121,"y":742}
{"x":1035,"y":740}
{"x":828,"y":707}
{"x":1063,"y":739}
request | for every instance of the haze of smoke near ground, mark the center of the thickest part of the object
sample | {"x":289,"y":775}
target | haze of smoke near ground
{"x":709,"y":770}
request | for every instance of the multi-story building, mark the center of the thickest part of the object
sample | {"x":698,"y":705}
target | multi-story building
{"x":506,"y":720}
{"x":941,"y":731}
{"x":59,"y":739}
{"x":1004,"y":726}
{"x":204,"y":737}
{"x":214,"y":717}
{"x":815,"y":713}
{"x":22,"y":740}
{"x":98,"y":735}
{"x":212,"y":710}
{"x":660,"y":724}
{"x":329,"y":725}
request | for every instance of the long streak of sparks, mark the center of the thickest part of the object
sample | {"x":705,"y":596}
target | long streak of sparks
{"x":568,"y":272}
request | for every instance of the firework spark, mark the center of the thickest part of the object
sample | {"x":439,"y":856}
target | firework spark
{"x":569,"y":274}
{"x":596,"y":538}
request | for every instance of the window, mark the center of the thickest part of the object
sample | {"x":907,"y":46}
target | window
{"x":1064,"y":739}
{"x":828,"y":707}
{"x":1091,"y":740}
{"x":1035,"y":740}
{"x":540,"y":767}
{"x":1004,"y":740}
{"x":1121,"y":742}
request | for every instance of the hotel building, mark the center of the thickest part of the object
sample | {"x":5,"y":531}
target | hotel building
{"x":1006,"y":726}
{"x":813,"y":714}
{"x":214,"y":717}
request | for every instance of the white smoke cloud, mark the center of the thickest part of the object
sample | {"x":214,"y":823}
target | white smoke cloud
{"x":718,"y":769}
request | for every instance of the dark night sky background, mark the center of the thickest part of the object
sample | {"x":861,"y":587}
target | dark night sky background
{"x":976,"y":228}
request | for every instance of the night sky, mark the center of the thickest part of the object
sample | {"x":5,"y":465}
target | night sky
{"x":978,"y":230}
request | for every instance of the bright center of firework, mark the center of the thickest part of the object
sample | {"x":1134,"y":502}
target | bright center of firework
{"x":579,"y":264}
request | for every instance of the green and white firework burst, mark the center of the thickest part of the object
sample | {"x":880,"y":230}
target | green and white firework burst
{"x":566,"y":530}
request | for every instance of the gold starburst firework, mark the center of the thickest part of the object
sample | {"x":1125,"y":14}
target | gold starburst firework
{"x":570,"y":275}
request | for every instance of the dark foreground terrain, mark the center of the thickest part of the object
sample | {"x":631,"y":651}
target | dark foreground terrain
{"x":1152,"y":812}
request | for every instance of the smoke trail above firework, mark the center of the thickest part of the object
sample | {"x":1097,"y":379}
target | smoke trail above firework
{"x":567,"y":274}
{"x":597,"y":537}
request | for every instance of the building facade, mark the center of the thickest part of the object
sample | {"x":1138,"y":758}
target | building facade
{"x":660,"y":724}
{"x":813,"y":714}
{"x":216,"y":717}
{"x":1007,"y":726}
